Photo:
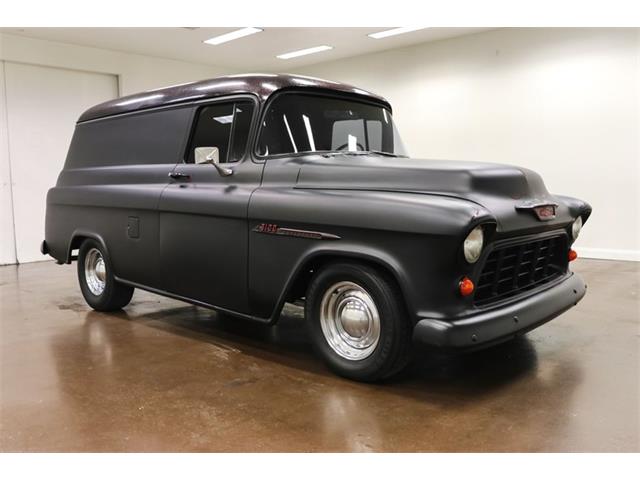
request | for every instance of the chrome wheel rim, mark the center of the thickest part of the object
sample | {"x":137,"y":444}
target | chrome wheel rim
{"x":350,"y":321}
{"x":95,"y":272}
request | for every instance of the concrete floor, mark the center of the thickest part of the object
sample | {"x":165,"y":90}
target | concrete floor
{"x":166,"y":376}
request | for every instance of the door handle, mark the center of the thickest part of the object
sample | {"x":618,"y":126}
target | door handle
{"x":179,"y":176}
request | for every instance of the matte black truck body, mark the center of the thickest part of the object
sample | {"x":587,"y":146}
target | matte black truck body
{"x":247,"y":242}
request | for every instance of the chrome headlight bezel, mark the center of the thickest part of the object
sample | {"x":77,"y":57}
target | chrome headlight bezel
{"x":576,"y":226}
{"x":473,"y":243}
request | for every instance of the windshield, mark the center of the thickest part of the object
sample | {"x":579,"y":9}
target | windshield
{"x":300,"y":123}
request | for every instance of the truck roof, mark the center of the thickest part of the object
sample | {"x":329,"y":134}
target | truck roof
{"x":261,"y":84}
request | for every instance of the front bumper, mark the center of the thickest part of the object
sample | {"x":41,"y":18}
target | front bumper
{"x":503,"y":323}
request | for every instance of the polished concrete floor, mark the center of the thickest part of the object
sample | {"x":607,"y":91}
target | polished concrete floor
{"x":167,"y":376}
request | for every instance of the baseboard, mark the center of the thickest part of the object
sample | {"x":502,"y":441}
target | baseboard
{"x":23,"y":263}
{"x":583,"y":252}
{"x":609,"y":254}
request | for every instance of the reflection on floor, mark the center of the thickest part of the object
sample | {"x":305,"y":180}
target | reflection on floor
{"x":167,"y":376}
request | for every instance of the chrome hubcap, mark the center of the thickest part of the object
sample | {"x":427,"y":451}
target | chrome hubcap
{"x":95,"y":271}
{"x":350,"y":321}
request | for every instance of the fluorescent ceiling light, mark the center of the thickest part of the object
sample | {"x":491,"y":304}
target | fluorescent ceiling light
{"x":306,"y":51}
{"x":227,"y":37}
{"x":293,"y":143}
{"x":307,"y":125}
{"x":224,"y":119}
{"x":394,"y":31}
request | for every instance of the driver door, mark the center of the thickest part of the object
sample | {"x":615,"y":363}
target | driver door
{"x":203,"y":211}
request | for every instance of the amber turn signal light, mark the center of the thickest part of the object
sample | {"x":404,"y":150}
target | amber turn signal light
{"x":466,"y":286}
{"x":572,"y":255}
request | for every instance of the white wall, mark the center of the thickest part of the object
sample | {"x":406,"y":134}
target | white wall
{"x":43,"y":104}
{"x":136,"y":72}
{"x":60,"y":80}
{"x":563,"y":102}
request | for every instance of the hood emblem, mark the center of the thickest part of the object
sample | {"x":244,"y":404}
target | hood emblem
{"x":544,"y":211}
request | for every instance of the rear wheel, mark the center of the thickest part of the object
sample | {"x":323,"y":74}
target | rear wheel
{"x":97,"y":283}
{"x":358,"y":321}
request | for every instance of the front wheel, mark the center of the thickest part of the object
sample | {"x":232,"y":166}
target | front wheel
{"x":358,"y":321}
{"x":99,"y":287}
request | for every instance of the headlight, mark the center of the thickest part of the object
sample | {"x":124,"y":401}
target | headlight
{"x":576,"y":227}
{"x":473,"y":245}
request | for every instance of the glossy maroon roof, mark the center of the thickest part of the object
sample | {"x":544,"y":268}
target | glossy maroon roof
{"x":263,"y":85}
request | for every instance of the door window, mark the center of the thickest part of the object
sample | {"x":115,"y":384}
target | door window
{"x":224,"y":126}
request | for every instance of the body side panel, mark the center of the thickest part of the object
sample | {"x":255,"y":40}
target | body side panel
{"x":110,"y":186}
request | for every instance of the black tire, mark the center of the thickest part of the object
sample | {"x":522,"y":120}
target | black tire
{"x":115,"y":295}
{"x":393,"y":349}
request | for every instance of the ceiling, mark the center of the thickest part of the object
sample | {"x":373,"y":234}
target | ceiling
{"x":255,"y":52}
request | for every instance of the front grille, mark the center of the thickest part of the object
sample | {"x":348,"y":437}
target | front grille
{"x":513,"y":269}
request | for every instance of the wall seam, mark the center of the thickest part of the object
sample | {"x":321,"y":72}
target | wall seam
{"x":6,"y":114}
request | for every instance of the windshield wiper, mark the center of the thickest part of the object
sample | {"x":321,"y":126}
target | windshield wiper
{"x":360,"y":152}
{"x":384,"y":154}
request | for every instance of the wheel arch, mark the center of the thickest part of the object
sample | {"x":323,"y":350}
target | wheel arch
{"x":298,"y":281}
{"x":79,"y":236}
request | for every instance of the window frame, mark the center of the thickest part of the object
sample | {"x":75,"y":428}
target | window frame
{"x":313,"y":93}
{"x":227,"y":99}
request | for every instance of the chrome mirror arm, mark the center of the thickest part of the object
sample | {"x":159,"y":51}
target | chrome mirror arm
{"x":223,"y":171}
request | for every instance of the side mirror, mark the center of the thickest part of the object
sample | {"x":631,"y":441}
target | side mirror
{"x":211,"y":155}
{"x":207,"y":155}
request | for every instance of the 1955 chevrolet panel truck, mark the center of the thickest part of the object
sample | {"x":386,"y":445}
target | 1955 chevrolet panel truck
{"x":245,"y":192}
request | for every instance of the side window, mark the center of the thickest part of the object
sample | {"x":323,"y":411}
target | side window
{"x":224,"y":126}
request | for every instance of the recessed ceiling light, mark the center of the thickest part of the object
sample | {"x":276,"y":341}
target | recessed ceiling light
{"x":394,"y":31}
{"x":306,"y":51}
{"x":227,"y":37}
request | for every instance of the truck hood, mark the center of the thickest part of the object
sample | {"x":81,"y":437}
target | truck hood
{"x":501,"y":189}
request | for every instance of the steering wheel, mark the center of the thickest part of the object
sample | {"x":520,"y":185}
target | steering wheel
{"x":358,"y":147}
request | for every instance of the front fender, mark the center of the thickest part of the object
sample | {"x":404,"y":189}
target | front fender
{"x":416,"y":237}
{"x":576,"y":206}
